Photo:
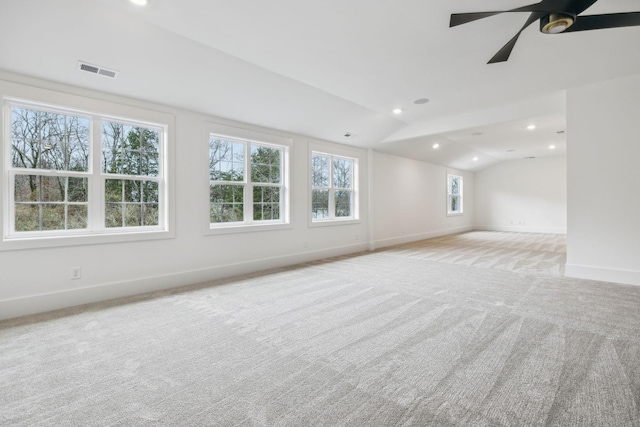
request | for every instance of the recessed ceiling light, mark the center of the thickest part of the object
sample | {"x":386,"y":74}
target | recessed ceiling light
{"x":560,"y":132}
{"x":421,"y":101}
{"x":476,"y":134}
{"x":397,"y":110}
{"x":475,"y":159}
{"x":552,"y":147}
{"x":436,"y":146}
{"x":510,"y":151}
{"x":347,"y":134}
{"x":140,"y":2}
{"x":531,"y":127}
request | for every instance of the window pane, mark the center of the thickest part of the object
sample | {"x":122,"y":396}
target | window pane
{"x":319,"y":171}
{"x":454,"y":203}
{"x":129,"y":150}
{"x":226,"y":160}
{"x":52,"y":216}
{"x":45,"y":140}
{"x":133,"y":215}
{"x":38,"y":188}
{"x":27,"y":217}
{"x":113,"y":190}
{"x":50,"y":203}
{"x":320,"y":204}
{"x":78,"y":190}
{"x":150,"y":214}
{"x":342,"y":172}
{"x":343,"y":203}
{"x":36,"y":217}
{"x":455,"y":185}
{"x":265,"y":164}
{"x":77,"y":217}
{"x":226,"y":203}
{"x":131,"y":203}
{"x":150,"y":192}
{"x":113,"y":215}
{"x":266,"y":203}
{"x":132,"y":191}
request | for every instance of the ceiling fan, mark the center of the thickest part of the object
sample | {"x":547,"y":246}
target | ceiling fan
{"x":556,"y":17}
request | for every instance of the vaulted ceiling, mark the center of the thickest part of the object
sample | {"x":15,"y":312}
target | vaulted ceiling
{"x":327,"y":68}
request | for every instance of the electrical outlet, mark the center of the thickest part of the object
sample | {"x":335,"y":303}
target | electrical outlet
{"x":357,"y":237}
{"x":76,"y":273}
{"x":305,"y":244}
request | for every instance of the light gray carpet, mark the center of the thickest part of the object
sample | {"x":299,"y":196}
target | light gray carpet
{"x":389,"y":338}
{"x":529,"y":253}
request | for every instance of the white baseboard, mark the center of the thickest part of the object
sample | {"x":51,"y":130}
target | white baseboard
{"x":521,"y":229}
{"x":416,"y":237}
{"x":41,"y":303}
{"x":603,"y":274}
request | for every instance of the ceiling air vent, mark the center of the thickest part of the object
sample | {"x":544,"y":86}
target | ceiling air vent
{"x":95,"y":69}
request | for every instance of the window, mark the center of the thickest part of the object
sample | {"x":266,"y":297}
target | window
{"x":247,"y":182}
{"x":333,"y":189}
{"x":454,"y":194}
{"x":75,"y":173}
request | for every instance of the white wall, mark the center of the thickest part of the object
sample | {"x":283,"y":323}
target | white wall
{"x":409,"y":200}
{"x":528,"y":195}
{"x":603,"y":151}
{"x":36,"y":280}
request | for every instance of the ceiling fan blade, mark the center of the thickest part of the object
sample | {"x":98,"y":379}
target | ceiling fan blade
{"x":579,"y":6}
{"x":503,"y":54}
{"x":464,"y":18}
{"x":599,"y":22}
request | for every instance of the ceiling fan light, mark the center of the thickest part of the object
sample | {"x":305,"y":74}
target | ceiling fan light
{"x":556,"y":23}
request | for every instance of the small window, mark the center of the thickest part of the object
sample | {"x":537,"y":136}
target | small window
{"x":246,"y":182}
{"x":333,"y":187}
{"x":454,"y":195}
{"x":75,"y":173}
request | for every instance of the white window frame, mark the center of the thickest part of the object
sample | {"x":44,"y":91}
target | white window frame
{"x":249,"y":138}
{"x":460,"y":211}
{"x":97,"y":112}
{"x":332,"y":219}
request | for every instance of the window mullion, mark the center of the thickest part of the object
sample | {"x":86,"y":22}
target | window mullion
{"x":162,"y":172}
{"x":11,"y":203}
{"x":96,"y":178}
{"x":332,"y":189}
{"x":66,"y":203}
{"x":352,"y":201}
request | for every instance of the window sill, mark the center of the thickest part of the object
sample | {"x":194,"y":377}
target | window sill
{"x":216,"y":230}
{"x":332,"y":222}
{"x":54,"y":241}
{"x":455,"y":213}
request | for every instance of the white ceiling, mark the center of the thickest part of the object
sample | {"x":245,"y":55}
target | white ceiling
{"x":326,"y":68}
